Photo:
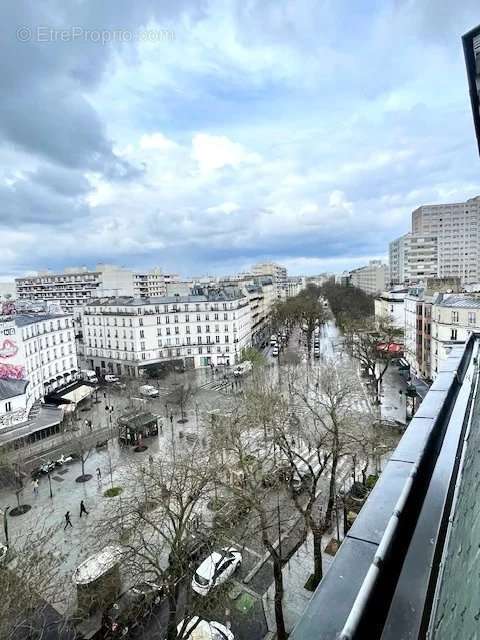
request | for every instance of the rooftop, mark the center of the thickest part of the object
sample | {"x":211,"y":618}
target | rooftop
{"x":461,"y":302}
{"x":219,"y":295}
{"x":12,"y":388}
{"x":24,"y":319}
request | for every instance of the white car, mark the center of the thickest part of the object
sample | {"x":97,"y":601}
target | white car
{"x":215,"y":570}
{"x":275,"y":352}
{"x":148,"y":390}
{"x":111,"y":378}
{"x":204,"y":630}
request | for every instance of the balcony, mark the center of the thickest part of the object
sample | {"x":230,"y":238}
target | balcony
{"x":403,"y":568}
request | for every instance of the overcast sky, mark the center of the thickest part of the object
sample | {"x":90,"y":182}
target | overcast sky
{"x":211,"y":134}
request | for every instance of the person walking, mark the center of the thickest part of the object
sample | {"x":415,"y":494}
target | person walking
{"x":99,"y":474}
{"x":67,"y":521}
{"x":83,"y":509}
{"x":35,"y":487}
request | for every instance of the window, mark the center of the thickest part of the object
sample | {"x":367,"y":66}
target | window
{"x":216,"y":316}
{"x":207,"y":328}
{"x":199,"y":329}
{"x":167,"y":319}
{"x":187,"y":318}
{"x":8,"y":406}
{"x":142,"y":333}
{"x":217,"y":338}
{"x":168,"y":331}
{"x":472,"y":317}
{"x":454,"y":316}
{"x":189,"y":340}
{"x":140,"y":321}
{"x":453,"y":335}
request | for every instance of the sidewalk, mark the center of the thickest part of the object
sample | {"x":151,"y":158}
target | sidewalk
{"x":295,"y":574}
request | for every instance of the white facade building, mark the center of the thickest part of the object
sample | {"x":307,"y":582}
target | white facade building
{"x":457,"y":230}
{"x":39,"y":351}
{"x":454,"y":318}
{"x":391,"y":304}
{"x":75,"y":286}
{"x":372,"y":278}
{"x":126,"y":335}
{"x":422,"y":258}
{"x":276,"y":271}
{"x":398,"y":252}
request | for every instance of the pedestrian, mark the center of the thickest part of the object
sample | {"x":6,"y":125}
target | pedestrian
{"x":99,"y":474}
{"x":171,"y":418}
{"x":67,"y":521}
{"x":150,"y":459}
{"x":83,"y":509}
{"x":35,"y":487}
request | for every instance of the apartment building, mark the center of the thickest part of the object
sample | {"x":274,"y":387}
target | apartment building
{"x":371,"y":278}
{"x":391,"y":304}
{"x":37,"y":356}
{"x":398,"y":252}
{"x":127,"y":335}
{"x":454,"y":318}
{"x":75,"y":286}
{"x":275,"y":271}
{"x":456,"y":228}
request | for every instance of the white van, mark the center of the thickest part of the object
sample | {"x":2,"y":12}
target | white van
{"x":242,"y":368}
{"x":273,"y":341}
{"x":89,"y":376}
{"x":149,"y":391}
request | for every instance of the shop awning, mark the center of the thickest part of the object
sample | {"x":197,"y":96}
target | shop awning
{"x":78,"y":394}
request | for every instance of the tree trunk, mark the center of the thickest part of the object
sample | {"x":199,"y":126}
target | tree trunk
{"x":278,"y":579}
{"x":172,"y":617}
{"x":83,"y":465}
{"x":331,"y":492}
{"x":317,"y":555}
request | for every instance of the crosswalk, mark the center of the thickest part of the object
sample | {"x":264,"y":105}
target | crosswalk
{"x":215,"y":385}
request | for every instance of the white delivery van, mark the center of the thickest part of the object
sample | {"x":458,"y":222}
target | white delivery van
{"x":89,"y":375}
{"x":148,"y":390}
{"x":242,"y":368}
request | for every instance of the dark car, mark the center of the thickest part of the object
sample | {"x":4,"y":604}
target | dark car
{"x":130,"y":608}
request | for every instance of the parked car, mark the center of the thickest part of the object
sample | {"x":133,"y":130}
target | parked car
{"x":275,"y":352}
{"x":273,"y":340}
{"x":215,"y":570}
{"x":149,"y":391}
{"x":130,"y":607}
{"x":197,"y":629}
{"x":119,"y":386}
{"x":111,"y":378}
{"x":63,"y":460}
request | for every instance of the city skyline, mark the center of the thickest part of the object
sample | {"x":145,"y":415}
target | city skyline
{"x":203,"y":142}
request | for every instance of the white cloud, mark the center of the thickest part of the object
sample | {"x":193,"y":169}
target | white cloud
{"x":215,"y":152}
{"x":225,"y":207}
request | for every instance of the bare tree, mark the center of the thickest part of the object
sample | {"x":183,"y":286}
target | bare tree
{"x":82,"y":445}
{"x":162,"y":529}
{"x":181,"y":396}
{"x":28,"y":583}
{"x":332,"y":429}
{"x":370,"y":342}
{"x":252,"y":466}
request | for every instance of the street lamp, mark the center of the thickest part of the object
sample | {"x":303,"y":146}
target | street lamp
{"x":49,"y":483}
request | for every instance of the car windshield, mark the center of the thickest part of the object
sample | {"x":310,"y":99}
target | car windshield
{"x":203,"y":582}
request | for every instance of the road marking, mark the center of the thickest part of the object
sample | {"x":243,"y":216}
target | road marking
{"x":244,"y":548}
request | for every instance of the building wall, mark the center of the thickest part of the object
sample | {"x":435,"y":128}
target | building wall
{"x":451,"y":325}
{"x":126,"y":337}
{"x":372,"y":278}
{"x":398,"y":252}
{"x":421,"y":258}
{"x":391,"y":305}
{"x":457,"y":229}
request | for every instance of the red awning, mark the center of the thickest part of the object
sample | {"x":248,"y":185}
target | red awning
{"x":392,"y":348}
